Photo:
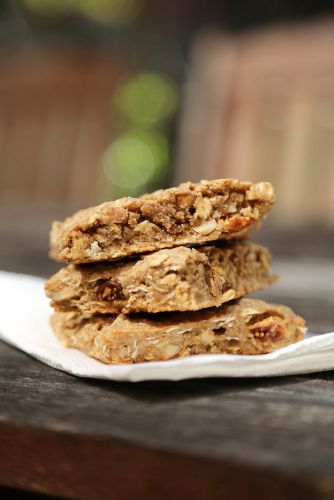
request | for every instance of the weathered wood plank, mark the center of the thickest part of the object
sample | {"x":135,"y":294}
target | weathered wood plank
{"x":73,"y":467}
{"x":282,"y":423}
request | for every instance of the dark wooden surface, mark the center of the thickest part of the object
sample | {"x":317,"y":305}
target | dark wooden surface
{"x":211,"y":438}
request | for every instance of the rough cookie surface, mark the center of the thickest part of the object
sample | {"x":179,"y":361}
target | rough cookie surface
{"x":177,"y":279}
{"x":243,"y":327}
{"x":188,"y":214}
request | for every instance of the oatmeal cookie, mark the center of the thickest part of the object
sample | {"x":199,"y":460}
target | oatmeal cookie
{"x":177,"y":279}
{"x":242,"y":327}
{"x":188,"y":214}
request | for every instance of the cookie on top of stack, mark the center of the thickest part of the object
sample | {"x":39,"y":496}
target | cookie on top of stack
{"x":164,"y":275}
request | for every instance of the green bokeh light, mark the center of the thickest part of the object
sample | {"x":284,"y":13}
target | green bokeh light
{"x":111,"y":11}
{"x":105,"y":11}
{"x":50,"y":7}
{"x":136,"y":161}
{"x":147,"y":99}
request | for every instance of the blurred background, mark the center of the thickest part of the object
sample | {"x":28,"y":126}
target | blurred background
{"x":106,"y":98}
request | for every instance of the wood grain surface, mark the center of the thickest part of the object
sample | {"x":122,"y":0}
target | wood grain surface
{"x":212,"y":438}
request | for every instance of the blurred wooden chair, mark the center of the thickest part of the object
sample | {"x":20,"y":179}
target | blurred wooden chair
{"x":54,"y":125}
{"x":261,"y":106}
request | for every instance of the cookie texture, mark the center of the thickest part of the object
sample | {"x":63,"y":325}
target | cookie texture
{"x":242,"y":327}
{"x":177,"y":279}
{"x":188,"y":214}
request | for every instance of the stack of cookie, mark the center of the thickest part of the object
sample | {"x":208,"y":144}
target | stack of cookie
{"x":163,"y":276}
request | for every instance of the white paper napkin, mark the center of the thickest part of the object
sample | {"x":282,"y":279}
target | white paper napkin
{"x":24,"y":323}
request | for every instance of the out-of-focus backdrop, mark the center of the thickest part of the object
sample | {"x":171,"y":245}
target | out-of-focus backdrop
{"x":105,"y":98}
{"x":101,"y":99}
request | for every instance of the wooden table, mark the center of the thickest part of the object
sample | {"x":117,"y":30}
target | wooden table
{"x":212,"y":438}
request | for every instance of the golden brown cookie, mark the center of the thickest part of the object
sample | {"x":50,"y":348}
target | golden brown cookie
{"x":177,"y":279}
{"x":188,"y":214}
{"x":242,"y":327}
